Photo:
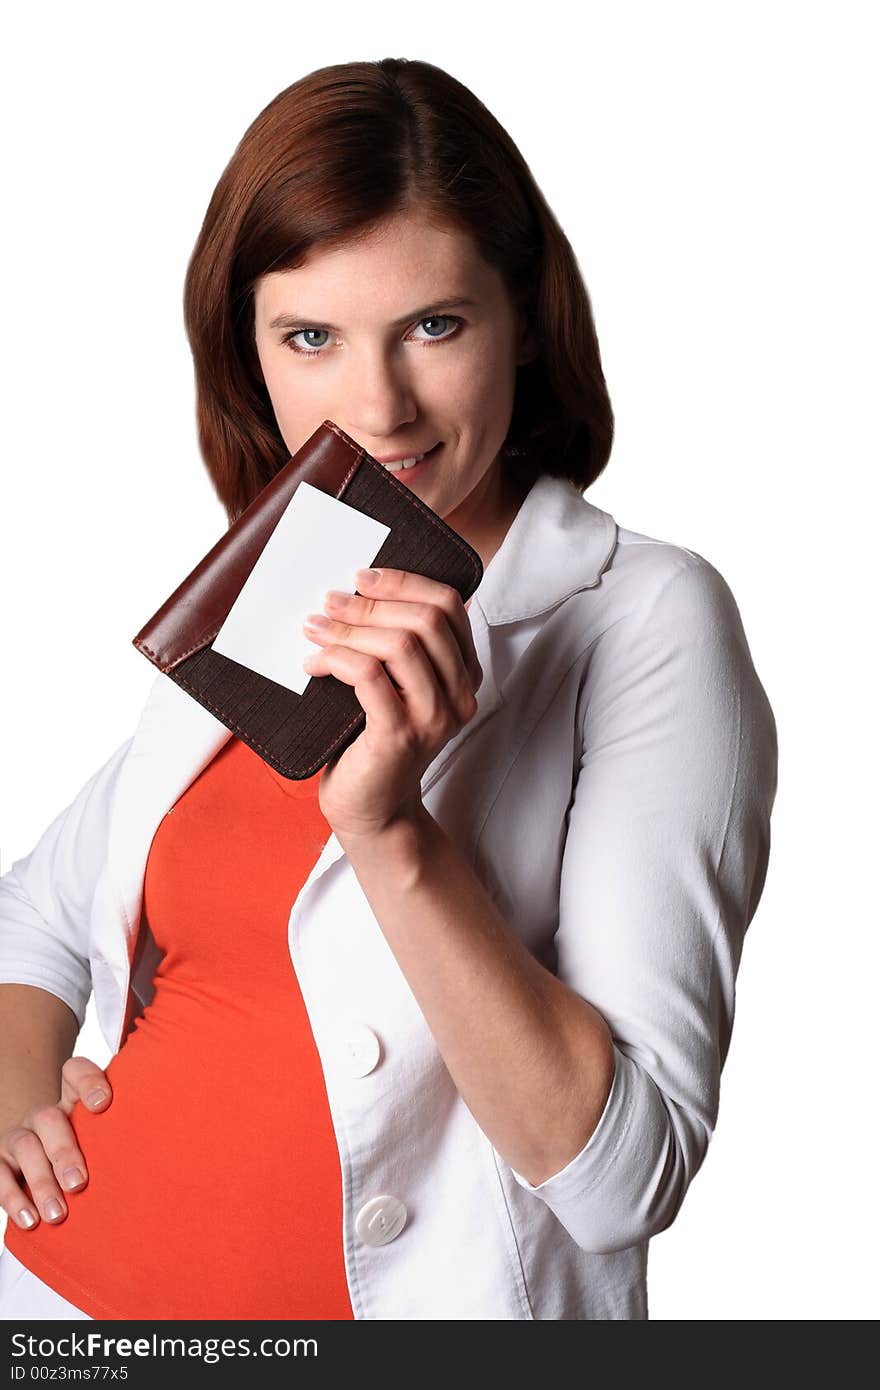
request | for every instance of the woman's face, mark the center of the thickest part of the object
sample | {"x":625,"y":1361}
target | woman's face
{"x":407,"y":339}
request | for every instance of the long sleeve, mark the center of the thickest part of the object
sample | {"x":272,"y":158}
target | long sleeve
{"x":45,"y":898}
{"x":664,"y":864}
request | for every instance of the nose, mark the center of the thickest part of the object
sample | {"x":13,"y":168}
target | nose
{"x":379,"y":399}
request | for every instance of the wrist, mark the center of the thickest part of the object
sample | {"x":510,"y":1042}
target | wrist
{"x":399,"y":843}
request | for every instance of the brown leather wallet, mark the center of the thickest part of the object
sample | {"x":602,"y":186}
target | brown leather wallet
{"x":296,"y":734}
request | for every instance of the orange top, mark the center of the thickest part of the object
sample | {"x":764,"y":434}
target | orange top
{"x":214,"y":1187}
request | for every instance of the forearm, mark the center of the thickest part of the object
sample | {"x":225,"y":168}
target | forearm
{"x":532,"y":1060}
{"x":38,"y":1033}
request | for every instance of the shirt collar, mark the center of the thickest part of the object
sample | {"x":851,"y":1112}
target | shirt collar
{"x":557,"y":544}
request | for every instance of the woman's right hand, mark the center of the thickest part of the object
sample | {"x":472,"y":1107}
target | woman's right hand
{"x":42,"y":1150}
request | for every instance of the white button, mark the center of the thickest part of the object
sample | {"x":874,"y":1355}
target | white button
{"x":380,"y":1220}
{"x":361,"y":1049}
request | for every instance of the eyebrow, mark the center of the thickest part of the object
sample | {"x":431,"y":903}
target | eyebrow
{"x":297,"y":320}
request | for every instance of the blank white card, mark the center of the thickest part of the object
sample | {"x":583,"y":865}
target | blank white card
{"x":317,"y":545}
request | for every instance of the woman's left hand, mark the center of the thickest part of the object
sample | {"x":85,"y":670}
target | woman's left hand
{"x":404,"y":642}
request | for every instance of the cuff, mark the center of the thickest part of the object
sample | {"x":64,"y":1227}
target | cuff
{"x":587,"y":1167}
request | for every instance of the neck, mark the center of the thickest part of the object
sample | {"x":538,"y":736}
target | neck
{"x":486,"y":516}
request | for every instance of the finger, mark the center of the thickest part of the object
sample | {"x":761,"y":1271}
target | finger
{"x":359,"y":622}
{"x":25,"y":1155}
{"x":82,"y":1080}
{"x":61,"y":1146}
{"x":386,"y":712}
{"x":434,"y":684}
{"x":406,"y":587}
{"x":14,"y":1201}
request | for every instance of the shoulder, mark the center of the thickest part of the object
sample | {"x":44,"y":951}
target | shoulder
{"x":672,"y":630}
{"x":660,"y":584}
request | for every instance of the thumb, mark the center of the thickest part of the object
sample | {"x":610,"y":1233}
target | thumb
{"x":83,"y":1080}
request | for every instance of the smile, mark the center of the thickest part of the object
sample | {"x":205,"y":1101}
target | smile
{"x":410,"y":468}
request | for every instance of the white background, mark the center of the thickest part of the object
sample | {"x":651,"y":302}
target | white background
{"x":714,"y":166}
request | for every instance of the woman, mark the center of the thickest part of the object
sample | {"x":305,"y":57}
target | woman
{"x":515,"y":904}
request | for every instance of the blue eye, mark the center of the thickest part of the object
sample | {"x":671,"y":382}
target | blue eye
{"x":436,"y":318}
{"x":288,"y":338}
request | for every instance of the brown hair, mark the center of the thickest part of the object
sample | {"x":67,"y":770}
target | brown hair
{"x":331,"y":155}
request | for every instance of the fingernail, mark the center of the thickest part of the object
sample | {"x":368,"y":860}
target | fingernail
{"x":72,"y":1177}
{"x":316,"y":620}
{"x":26,"y":1219}
{"x":367,"y":578}
{"x":53,"y":1209}
{"x":96,"y":1097}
